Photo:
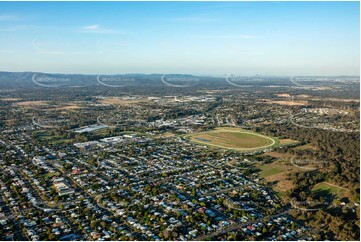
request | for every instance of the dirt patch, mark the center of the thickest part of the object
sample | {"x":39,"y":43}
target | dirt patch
{"x":267,"y":122}
{"x":283,"y":95}
{"x":303,"y":96}
{"x":61,"y":106}
{"x":282,"y":184}
{"x":121,"y":102}
{"x":10,"y":99}
{"x":306,"y":147}
{"x":336,"y":99}
{"x":66,"y":107}
{"x":32,"y":103}
{"x":287,"y":141}
{"x":278,"y":155}
{"x":289,"y":103}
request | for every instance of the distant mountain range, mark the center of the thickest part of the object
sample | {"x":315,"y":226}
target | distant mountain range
{"x":28,"y":79}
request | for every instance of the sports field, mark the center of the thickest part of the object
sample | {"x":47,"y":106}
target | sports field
{"x":233,"y":138}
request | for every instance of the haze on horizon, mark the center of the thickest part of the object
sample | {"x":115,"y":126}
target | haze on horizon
{"x":215,"y":38}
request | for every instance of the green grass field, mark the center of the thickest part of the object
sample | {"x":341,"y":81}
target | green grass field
{"x":326,"y":189}
{"x":233,"y":138}
{"x":269,"y":170}
{"x":51,"y":174}
{"x":44,"y":135}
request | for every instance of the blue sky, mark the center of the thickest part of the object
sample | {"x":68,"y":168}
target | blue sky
{"x":215,"y":38}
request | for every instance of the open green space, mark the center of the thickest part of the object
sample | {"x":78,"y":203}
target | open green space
{"x":46,"y":136}
{"x":326,"y":189}
{"x":51,"y":174}
{"x":233,"y":138}
{"x":269,"y":170}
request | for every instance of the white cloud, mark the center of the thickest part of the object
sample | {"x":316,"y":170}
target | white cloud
{"x":97,"y":29}
{"x":92,"y":27}
{"x":9,"y":17}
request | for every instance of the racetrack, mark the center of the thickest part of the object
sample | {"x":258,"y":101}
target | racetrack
{"x":233,"y":138}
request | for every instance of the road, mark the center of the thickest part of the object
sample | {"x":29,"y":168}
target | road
{"x":237,"y":226}
{"x":302,"y":167}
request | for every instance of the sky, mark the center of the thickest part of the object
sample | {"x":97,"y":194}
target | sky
{"x":201,"y":38}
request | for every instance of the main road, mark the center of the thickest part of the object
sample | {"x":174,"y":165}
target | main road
{"x":238,"y":226}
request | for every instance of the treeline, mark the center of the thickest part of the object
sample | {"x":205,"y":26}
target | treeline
{"x":340,"y":150}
